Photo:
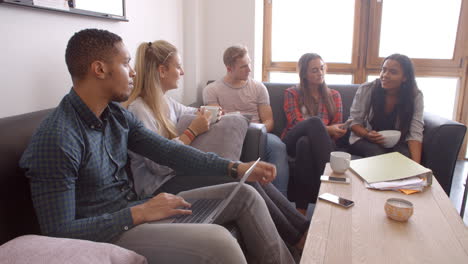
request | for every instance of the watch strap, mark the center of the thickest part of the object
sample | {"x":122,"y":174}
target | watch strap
{"x":234,"y":171}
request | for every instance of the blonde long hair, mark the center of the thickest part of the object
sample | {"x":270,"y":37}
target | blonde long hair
{"x":151,"y":55}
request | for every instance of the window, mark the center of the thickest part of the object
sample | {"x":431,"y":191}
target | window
{"x":434,"y":99}
{"x":289,"y":45}
{"x":432,"y":34}
{"x":428,"y":31}
{"x":293,"y":28}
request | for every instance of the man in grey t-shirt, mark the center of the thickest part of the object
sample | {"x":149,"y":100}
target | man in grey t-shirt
{"x":237,"y":92}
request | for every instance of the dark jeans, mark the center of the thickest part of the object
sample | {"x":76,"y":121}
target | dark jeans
{"x":365,"y":148}
{"x":309,"y":143}
{"x":291,"y":224}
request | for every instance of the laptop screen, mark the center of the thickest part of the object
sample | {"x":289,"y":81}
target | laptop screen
{"x":235,"y":190}
{"x":242,"y":181}
{"x":249,"y":171}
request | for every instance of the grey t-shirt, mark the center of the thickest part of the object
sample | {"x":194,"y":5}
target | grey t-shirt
{"x":245,"y":99}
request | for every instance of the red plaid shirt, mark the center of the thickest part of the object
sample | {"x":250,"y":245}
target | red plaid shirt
{"x":293,"y":110}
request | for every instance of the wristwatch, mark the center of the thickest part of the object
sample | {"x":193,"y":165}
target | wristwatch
{"x":233,"y":172}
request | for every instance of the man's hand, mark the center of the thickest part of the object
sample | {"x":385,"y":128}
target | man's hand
{"x":336,"y":131}
{"x":263,"y":172}
{"x":159,"y":207}
{"x":374,"y":137}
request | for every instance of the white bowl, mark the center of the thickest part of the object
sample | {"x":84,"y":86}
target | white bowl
{"x":398,"y":209}
{"x":391,"y":137}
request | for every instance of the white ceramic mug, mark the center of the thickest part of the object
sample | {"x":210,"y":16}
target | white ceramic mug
{"x":339,"y":161}
{"x":214,"y":110}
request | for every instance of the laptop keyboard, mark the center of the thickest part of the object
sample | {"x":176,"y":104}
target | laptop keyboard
{"x":201,"y":209}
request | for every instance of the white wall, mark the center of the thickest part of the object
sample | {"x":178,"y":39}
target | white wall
{"x":214,"y":25}
{"x":192,"y":50}
{"x":33,"y":73}
{"x":226,"y":23}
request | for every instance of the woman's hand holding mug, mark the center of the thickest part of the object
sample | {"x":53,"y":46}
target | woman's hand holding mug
{"x":201,"y":123}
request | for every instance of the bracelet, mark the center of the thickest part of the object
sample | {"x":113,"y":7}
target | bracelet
{"x":189,"y":135}
{"x":191,"y":131}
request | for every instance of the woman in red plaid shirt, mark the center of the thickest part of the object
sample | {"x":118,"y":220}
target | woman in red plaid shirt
{"x":314,"y":123}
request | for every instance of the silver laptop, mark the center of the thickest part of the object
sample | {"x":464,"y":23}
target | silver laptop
{"x":207,"y":210}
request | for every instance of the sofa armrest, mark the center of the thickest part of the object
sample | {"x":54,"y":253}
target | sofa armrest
{"x":441,"y":144}
{"x":254,"y":143}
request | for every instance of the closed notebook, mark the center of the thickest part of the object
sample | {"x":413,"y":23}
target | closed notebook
{"x":389,"y":167}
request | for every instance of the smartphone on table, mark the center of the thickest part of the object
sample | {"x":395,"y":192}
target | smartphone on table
{"x":327,"y":178}
{"x":336,"y":200}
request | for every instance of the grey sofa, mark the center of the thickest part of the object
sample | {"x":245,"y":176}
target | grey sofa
{"x":16,"y":209}
{"x":442,"y":137}
{"x":17,"y":213}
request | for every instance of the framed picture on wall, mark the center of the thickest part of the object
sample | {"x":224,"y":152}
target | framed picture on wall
{"x":106,"y":9}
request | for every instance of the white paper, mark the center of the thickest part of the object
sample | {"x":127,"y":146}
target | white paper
{"x":57,"y":4}
{"x":413,"y":183}
{"x":112,"y":7}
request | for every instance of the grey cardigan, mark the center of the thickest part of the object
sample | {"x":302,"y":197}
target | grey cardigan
{"x":362,"y":101}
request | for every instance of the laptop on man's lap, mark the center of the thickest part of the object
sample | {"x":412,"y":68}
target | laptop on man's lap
{"x":206,"y":211}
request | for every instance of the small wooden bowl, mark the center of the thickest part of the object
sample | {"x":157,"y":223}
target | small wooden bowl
{"x":398,"y":209}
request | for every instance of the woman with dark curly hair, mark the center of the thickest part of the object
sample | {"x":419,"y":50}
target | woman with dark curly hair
{"x":392,"y":102}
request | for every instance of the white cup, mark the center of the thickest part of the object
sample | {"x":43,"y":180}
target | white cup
{"x":214,"y":110}
{"x":339,"y":161}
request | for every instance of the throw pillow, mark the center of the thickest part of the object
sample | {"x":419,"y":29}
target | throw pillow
{"x":224,"y":138}
{"x":51,"y":250}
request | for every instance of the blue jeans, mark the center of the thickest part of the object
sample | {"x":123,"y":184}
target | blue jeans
{"x":276,"y":154}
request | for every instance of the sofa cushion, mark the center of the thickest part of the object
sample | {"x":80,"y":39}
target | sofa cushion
{"x":50,"y":250}
{"x":224,"y":138}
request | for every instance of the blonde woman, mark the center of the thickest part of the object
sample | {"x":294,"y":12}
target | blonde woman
{"x":159,"y":70}
{"x":158,"y":67}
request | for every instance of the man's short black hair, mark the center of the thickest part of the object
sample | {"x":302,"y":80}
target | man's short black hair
{"x":87,"y":46}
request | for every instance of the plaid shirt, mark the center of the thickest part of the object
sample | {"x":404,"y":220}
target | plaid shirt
{"x":293,"y":110}
{"x":76,"y":166}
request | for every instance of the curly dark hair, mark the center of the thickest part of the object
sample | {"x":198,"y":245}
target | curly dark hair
{"x":87,"y":46}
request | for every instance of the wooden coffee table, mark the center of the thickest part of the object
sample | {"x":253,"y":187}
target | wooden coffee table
{"x":363,"y":233}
